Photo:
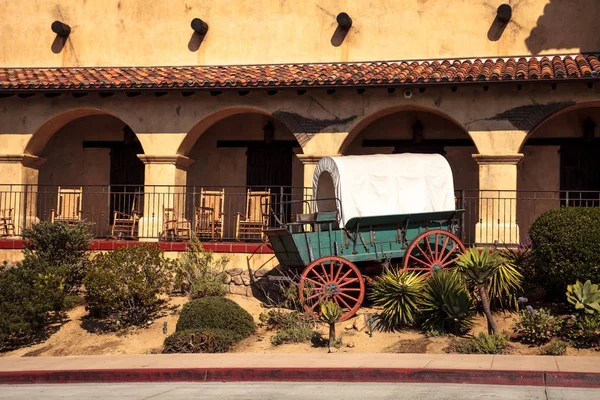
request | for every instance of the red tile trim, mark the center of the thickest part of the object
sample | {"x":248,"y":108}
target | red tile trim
{"x":106,"y":245}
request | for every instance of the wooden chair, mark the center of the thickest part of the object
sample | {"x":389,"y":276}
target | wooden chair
{"x":173,"y":227}
{"x":251,"y":224}
{"x":69,"y":206}
{"x":7,"y":225}
{"x":126,"y":225}
{"x":209,"y":215}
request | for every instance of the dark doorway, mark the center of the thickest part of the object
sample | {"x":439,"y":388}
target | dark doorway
{"x":580,"y":173}
{"x":269,"y":166}
{"x":126,"y":177}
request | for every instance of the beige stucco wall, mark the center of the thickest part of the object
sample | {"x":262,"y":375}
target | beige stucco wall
{"x":137,"y":32}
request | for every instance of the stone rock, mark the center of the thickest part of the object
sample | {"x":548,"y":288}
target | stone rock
{"x":246,"y":279}
{"x":237,"y":279}
{"x":235,"y":271}
{"x":236,"y":289}
{"x":362,"y":322}
{"x":226,"y":279}
{"x":260,"y":273}
{"x":350,"y":345}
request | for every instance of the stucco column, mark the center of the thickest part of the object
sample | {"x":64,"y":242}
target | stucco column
{"x":164,"y":187}
{"x":497,"y":199}
{"x":18,"y":188}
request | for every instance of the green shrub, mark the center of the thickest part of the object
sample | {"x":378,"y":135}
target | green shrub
{"x":555,"y":348}
{"x":200,"y":341}
{"x":481,"y":344}
{"x":62,"y":251}
{"x":400,"y":294}
{"x":566,"y":247}
{"x":216,"y":313}
{"x":536,"y":326}
{"x":199,"y":273}
{"x":583,"y":331}
{"x":447,"y":307}
{"x":124,"y":286}
{"x":293,"y":327}
{"x":24,"y":305}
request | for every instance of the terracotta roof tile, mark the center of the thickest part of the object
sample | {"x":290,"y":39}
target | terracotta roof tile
{"x":302,"y":75}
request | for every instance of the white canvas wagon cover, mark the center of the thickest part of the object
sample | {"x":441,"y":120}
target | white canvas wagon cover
{"x":383,"y":184}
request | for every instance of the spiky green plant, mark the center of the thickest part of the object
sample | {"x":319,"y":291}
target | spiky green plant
{"x":330,"y":313}
{"x":399,"y":293}
{"x":584,"y":297}
{"x":505,"y":285}
{"x":446,"y":306}
{"x":478,"y":268}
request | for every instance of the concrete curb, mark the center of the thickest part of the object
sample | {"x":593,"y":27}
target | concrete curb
{"x":529,"y":378}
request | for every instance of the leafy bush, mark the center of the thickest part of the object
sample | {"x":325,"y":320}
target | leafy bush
{"x":61,"y":249}
{"x":200,"y":341}
{"x":555,"y":348}
{"x":583,"y":331}
{"x":536,"y":326}
{"x":566,"y":247}
{"x":124,"y":286}
{"x":482,"y":344}
{"x":200,"y":273}
{"x":585,"y":297}
{"x":400,"y":295}
{"x":521,"y":258}
{"x":293,"y":327}
{"x":216,"y":313}
{"x":24,"y":305}
{"x":447,"y":307}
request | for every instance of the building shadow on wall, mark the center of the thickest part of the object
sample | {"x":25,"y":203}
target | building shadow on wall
{"x":566,"y":24}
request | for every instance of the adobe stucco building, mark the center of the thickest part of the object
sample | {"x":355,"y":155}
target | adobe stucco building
{"x":132,"y":95}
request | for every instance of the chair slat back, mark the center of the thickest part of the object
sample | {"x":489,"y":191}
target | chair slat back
{"x":69,"y":203}
{"x":257,"y":204}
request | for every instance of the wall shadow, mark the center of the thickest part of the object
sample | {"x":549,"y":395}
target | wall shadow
{"x":195,"y":41}
{"x":58,"y":44}
{"x":566,"y":24}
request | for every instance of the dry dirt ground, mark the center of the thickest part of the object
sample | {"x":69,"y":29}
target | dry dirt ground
{"x":76,"y":338}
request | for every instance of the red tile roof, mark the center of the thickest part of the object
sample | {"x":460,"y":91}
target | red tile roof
{"x":303,"y":75}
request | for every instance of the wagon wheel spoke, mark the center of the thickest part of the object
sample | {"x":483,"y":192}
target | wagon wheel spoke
{"x":319,"y":284}
{"x":434,"y":257}
{"x":348,"y":296}
{"x":420,"y":261}
{"x":325,"y":274}
{"x":424,"y":254}
{"x":337,"y":275}
{"x":347,"y":282}
{"x":313,"y":296}
{"x":442,"y":249}
{"x":316,"y":274}
{"x":343,"y":301}
{"x":345,"y":275}
{"x":452,"y":250}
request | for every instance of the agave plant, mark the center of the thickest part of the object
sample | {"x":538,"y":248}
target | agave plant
{"x":479,"y":267}
{"x":330,"y":313}
{"x":584,"y":297}
{"x":447,"y":306}
{"x":505,"y":284}
{"x":399,"y":293}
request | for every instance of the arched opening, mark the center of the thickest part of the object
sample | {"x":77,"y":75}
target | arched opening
{"x":424,"y":131}
{"x":245,"y":154}
{"x":91,"y":170}
{"x":560,"y":166}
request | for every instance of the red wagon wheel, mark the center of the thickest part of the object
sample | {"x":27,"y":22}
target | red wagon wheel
{"x":334,"y":279}
{"x":432,"y":250}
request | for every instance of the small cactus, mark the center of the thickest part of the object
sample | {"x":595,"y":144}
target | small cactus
{"x":584,"y":297}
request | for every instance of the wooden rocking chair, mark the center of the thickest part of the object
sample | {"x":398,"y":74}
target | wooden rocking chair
{"x":173,"y":227}
{"x":126,"y":225}
{"x":69,"y":206}
{"x":208,"y":218}
{"x":7,"y":225}
{"x":251,"y":224}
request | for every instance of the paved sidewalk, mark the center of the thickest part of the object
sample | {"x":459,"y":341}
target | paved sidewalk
{"x":448,"y":368}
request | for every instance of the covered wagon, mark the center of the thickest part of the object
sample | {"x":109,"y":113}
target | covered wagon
{"x":396,"y":210}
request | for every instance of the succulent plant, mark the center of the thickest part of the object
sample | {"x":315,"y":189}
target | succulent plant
{"x":584,"y":297}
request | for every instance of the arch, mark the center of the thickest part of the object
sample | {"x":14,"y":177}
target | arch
{"x":197,"y":130}
{"x":42,"y":135}
{"x":368,"y":119}
{"x":536,"y":128}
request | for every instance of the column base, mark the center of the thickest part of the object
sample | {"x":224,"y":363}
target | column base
{"x":490,"y":233}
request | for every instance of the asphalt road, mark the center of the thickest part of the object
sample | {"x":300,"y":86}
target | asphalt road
{"x":294,"y":391}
